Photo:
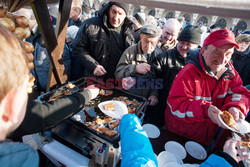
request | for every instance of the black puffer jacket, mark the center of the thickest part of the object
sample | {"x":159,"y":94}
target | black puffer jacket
{"x":166,"y":66}
{"x":92,"y":44}
{"x":241,"y":63}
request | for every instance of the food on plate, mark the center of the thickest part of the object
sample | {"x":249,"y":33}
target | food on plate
{"x":114,"y":125}
{"x":110,"y":133}
{"x":228,"y":119}
{"x":109,"y":107}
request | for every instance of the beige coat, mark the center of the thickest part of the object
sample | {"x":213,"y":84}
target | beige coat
{"x":132,"y":56}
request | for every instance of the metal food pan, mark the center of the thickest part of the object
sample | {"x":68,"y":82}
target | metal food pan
{"x":91,"y":108}
{"x":56,"y":93}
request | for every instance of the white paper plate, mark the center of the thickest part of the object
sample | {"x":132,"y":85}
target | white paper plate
{"x":171,"y":164}
{"x":165,"y":157}
{"x":151,"y":130}
{"x":196,"y":150}
{"x":242,"y":125}
{"x":120,"y":109}
{"x":188,"y":165}
{"x":176,"y":148}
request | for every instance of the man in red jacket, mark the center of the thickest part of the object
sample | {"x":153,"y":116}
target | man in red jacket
{"x":205,"y":87}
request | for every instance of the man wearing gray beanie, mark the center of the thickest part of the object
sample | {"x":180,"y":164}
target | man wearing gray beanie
{"x":166,"y":66}
{"x":101,"y":40}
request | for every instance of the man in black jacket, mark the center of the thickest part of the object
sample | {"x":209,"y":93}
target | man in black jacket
{"x":101,"y":40}
{"x":167,"y":65}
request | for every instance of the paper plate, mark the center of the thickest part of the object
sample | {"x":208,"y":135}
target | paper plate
{"x":120,"y":109}
{"x":178,"y":159}
{"x":176,"y":148}
{"x":165,"y":157}
{"x":196,"y":150}
{"x":241,"y":124}
{"x":151,"y":130}
{"x":172,"y":164}
{"x":188,"y":165}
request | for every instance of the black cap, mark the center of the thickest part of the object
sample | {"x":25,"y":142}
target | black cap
{"x":140,"y":17}
{"x":151,"y":30}
{"x":124,"y":6}
{"x":190,"y":34}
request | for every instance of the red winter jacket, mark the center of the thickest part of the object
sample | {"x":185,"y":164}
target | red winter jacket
{"x":194,"y":90}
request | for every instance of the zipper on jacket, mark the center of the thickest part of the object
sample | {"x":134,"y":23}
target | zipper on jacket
{"x":212,"y":93}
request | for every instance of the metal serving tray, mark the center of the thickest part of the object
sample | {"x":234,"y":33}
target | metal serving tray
{"x":92,"y":110}
{"x":56,"y":93}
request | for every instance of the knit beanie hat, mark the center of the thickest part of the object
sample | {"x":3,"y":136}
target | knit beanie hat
{"x":140,"y":17}
{"x":190,"y":34}
{"x":124,"y":6}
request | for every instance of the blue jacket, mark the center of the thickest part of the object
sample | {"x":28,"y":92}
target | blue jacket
{"x":137,"y":150}
{"x":13,"y":154}
{"x":135,"y":146}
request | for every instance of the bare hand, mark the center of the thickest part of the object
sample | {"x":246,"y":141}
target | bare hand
{"x":153,"y":100}
{"x":93,"y":90}
{"x":128,"y":83}
{"x":230,"y":148}
{"x":236,"y":113}
{"x":142,"y":68}
{"x":213,"y":113}
{"x":99,"y":70}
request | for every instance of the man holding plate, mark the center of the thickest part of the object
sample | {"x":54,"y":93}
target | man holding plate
{"x":205,"y":87}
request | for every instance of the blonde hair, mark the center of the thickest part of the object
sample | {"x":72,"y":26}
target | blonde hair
{"x":242,"y":38}
{"x":13,"y":62}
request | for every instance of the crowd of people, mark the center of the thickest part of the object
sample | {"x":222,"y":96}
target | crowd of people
{"x":188,"y":75}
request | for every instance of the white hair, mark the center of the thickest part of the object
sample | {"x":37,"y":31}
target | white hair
{"x":172,"y":24}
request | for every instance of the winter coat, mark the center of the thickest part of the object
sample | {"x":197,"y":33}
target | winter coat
{"x":131,"y":57}
{"x":41,"y":117}
{"x":196,"y":88}
{"x":241,"y":62}
{"x":136,"y":148}
{"x":92,"y":44}
{"x":166,"y":66}
{"x":220,"y":159}
{"x":13,"y":154}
